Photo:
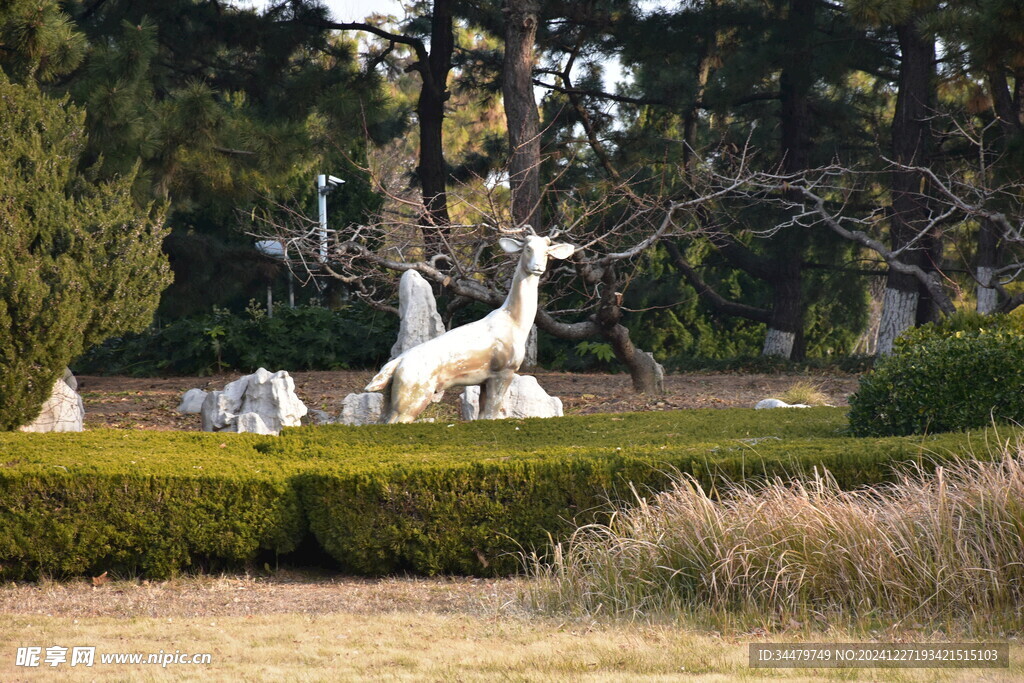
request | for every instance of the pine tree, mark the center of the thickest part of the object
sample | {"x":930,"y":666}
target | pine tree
{"x":79,"y":261}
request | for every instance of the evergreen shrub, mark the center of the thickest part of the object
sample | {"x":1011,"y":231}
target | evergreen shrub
{"x":962,"y":373}
{"x":79,"y":261}
{"x":425,"y":498}
{"x":302,"y":338}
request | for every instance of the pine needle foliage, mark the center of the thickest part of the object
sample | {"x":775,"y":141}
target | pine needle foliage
{"x":79,"y":262}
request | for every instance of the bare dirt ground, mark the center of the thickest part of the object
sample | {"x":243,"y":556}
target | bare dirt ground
{"x":149,"y":403}
{"x":284,"y":591}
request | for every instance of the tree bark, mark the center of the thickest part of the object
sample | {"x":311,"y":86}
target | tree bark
{"x":911,"y":144}
{"x":988,"y":261}
{"x":785,"y":335}
{"x":899,"y":309}
{"x":647,"y":374}
{"x":433,"y":169}
{"x":521,"y":111}
{"x":785,"y":328}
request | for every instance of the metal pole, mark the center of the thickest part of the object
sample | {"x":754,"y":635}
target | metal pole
{"x":321,"y":191}
{"x":289,"y":275}
{"x":270,"y":301}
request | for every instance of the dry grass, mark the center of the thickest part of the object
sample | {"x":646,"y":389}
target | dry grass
{"x":391,"y":645}
{"x":939,"y":551}
{"x":807,"y":393}
{"x":313,"y":627}
{"x":407,"y":645}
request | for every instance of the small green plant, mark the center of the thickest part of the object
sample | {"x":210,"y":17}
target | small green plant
{"x":215,"y":333}
{"x":255,"y":310}
{"x":602,"y":351}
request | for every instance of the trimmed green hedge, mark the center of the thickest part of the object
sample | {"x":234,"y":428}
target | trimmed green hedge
{"x":427,"y":498}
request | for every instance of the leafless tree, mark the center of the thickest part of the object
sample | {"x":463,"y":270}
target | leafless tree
{"x":584,"y":295}
{"x":963,"y":205}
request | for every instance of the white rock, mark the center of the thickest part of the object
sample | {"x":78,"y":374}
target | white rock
{"x":776,"y":403}
{"x":70,"y":380}
{"x":192,"y":401}
{"x":63,"y":411}
{"x":418,"y":311}
{"x":252,"y":423}
{"x":525,"y":398}
{"x":219,"y":411}
{"x":362,"y":409}
{"x":271,"y":396}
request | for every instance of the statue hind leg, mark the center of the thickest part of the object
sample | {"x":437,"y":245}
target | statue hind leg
{"x":403,"y":402}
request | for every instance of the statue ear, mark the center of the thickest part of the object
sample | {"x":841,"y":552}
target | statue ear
{"x":510,"y":245}
{"x":561,"y":250}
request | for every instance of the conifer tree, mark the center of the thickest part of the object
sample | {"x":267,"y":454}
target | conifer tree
{"x":79,"y":261}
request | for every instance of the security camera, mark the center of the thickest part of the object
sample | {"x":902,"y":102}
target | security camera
{"x":334,"y":180}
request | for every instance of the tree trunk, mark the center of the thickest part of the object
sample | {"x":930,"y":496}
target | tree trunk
{"x":647,"y":374}
{"x":911,"y":144}
{"x":988,"y":260}
{"x":521,"y":111}
{"x":784,"y":337}
{"x":899,"y":310}
{"x":433,"y":169}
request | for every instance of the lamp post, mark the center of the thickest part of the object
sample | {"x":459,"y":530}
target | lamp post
{"x":324,"y":184}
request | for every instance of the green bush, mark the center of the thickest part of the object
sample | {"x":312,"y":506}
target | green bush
{"x":963,"y":373}
{"x":79,"y":261}
{"x":426,"y":498}
{"x":139,"y":503}
{"x":303,"y":338}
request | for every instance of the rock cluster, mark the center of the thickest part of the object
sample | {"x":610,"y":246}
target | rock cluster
{"x":262,"y":403}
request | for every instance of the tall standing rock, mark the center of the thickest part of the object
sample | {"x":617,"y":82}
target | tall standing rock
{"x":530,"y":359}
{"x":418,"y":311}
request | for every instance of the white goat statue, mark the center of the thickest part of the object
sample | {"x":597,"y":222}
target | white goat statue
{"x":486,"y":352}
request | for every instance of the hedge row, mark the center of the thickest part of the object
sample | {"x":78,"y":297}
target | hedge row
{"x":428,"y":498}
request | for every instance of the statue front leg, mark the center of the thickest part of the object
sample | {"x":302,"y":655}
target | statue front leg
{"x":492,"y":394}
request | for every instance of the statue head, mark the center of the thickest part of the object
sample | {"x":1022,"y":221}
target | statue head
{"x":535,"y":251}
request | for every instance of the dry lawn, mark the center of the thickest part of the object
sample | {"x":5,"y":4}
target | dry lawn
{"x":310,"y":627}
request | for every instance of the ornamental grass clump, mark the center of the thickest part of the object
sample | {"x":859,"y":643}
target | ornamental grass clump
{"x":932,"y":546}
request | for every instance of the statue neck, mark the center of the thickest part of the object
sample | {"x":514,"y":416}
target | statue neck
{"x":521,"y":302}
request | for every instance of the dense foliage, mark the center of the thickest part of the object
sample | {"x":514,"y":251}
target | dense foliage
{"x":225,"y":114}
{"x":964,"y":373}
{"x":303,"y":338}
{"x":428,"y":498}
{"x":79,"y":260}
